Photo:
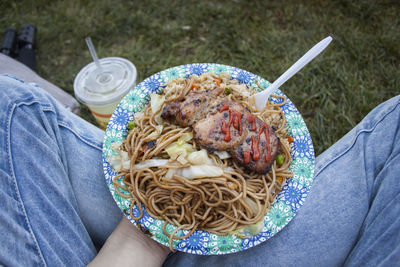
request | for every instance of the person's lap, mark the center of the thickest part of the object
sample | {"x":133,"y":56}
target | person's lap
{"x":56,"y":202}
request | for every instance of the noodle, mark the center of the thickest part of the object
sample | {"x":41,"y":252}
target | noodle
{"x":217,"y":205}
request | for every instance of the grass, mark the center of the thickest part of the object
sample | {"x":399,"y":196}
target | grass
{"x":359,"y":70}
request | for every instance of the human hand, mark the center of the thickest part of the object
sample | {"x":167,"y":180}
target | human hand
{"x":128,"y":246}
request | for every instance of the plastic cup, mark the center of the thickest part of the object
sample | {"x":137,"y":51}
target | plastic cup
{"x":101,"y":87}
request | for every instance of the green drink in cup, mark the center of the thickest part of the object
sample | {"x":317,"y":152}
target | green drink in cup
{"x":102,"y":84}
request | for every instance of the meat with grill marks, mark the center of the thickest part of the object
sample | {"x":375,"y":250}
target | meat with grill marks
{"x":223,"y":125}
{"x":194,"y":106}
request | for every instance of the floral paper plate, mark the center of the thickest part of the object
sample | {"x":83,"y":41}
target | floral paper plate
{"x":287,"y":202}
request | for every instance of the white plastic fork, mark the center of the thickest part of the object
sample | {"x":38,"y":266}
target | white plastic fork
{"x":262,"y":97}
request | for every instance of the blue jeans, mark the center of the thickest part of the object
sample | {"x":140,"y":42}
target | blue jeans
{"x":56,"y":208}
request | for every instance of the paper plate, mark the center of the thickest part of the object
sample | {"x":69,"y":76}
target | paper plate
{"x":287,"y":202}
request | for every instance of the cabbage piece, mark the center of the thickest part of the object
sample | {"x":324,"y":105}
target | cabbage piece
{"x":199,"y":158}
{"x":196,"y":171}
{"x":222,"y":154}
{"x":180,"y":147}
{"x":186,"y":137}
{"x":156,"y":103}
{"x":175,"y":149}
{"x":250,"y":230}
{"x":120,"y":160}
{"x":116,"y":146}
{"x":170,"y":173}
{"x":115,"y":162}
{"x":154,"y":135}
{"x":182,"y":158}
{"x":138,"y":115}
{"x":252,"y":205}
{"x":199,"y":171}
{"x":151,"y":163}
{"x":229,"y":169}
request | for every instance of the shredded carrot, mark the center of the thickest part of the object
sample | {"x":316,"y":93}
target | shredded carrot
{"x":143,"y":149}
{"x":218,"y":81}
{"x":195,"y":87}
{"x":146,"y":146}
{"x":290,"y":139}
{"x":280,"y":179}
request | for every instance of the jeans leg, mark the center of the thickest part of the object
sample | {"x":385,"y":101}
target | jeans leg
{"x":55,"y":202}
{"x":352,"y":212}
{"x":379,"y":236}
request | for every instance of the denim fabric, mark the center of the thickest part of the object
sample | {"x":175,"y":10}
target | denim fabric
{"x":56,"y":207}
{"x":54,"y":202}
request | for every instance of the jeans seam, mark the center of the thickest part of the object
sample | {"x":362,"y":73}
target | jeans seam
{"x":371,"y":129}
{"x":8,"y":138}
{"x":60,"y":123}
{"x":88,"y":142}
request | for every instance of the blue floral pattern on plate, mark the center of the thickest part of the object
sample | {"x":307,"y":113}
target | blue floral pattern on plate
{"x":152,"y":83}
{"x":197,"y":243}
{"x":197,"y":69}
{"x":242,"y":76}
{"x":257,"y":239}
{"x":293,"y":194}
{"x":303,"y":146}
{"x":120,"y":119}
{"x":287,"y":202}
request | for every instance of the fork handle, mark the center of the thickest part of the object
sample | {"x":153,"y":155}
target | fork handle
{"x":262,"y":97}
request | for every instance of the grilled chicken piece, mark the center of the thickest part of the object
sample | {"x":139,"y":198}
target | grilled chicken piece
{"x":191,"y":108}
{"x":265,"y":140}
{"x":222,"y":125}
{"x":208,"y":131}
{"x":252,"y":143}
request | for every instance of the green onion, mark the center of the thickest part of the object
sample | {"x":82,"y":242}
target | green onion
{"x":131,"y":125}
{"x":228,"y":90}
{"x":280,"y":159}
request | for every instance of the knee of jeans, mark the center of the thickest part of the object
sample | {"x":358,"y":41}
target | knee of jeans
{"x":15,"y":91}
